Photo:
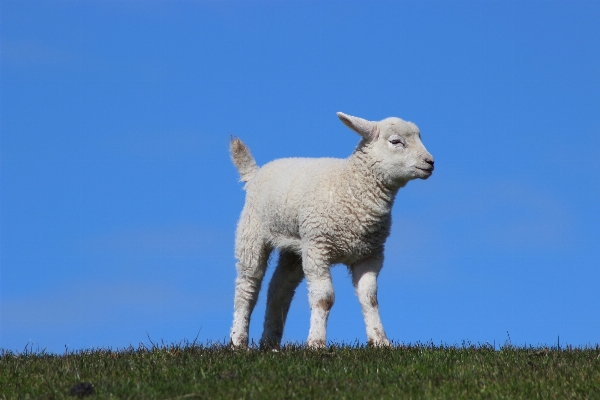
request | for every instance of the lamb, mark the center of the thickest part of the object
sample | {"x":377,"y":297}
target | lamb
{"x":318,"y":212}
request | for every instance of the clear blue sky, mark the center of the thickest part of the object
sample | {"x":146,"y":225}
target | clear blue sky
{"x":119,"y":201}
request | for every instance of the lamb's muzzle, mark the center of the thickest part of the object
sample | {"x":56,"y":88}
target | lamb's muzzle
{"x":428,"y":169}
{"x":320,"y":212}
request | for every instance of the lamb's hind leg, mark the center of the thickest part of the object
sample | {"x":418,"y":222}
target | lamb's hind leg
{"x":252,"y":255}
{"x":286,"y":278}
{"x":364,"y":279}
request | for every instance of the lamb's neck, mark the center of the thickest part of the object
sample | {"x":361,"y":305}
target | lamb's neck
{"x":377,"y":196}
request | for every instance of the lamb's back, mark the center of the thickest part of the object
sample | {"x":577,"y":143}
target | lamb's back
{"x":292,"y":182}
{"x":284,"y":189}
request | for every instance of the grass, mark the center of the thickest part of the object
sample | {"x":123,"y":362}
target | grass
{"x":188,"y":371}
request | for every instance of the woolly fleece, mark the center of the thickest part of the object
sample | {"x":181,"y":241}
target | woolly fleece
{"x":320,"y":212}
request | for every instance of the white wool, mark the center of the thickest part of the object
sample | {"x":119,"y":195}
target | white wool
{"x":319,"y":212}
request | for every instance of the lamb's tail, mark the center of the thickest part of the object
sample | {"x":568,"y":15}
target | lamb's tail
{"x":242,"y":159}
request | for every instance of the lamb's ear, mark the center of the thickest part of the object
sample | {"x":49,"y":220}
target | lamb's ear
{"x":367,"y":129}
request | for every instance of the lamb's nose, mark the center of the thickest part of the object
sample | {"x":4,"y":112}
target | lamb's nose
{"x":430,"y":162}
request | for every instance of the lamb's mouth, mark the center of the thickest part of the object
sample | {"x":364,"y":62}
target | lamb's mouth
{"x":428,"y":170}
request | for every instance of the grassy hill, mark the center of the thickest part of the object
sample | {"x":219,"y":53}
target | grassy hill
{"x":355,"y":372}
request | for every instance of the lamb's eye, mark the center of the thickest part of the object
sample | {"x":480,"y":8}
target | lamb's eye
{"x":396,"y":142}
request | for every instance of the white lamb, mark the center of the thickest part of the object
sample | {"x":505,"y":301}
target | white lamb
{"x":319,"y":212}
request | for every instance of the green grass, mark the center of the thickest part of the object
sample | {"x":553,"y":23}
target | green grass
{"x":214,"y":371}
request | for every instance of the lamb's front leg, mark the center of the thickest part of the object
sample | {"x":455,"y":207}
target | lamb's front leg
{"x":320,"y":296}
{"x":364,"y":279}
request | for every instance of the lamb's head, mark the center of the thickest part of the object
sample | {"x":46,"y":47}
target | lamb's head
{"x":394,"y":147}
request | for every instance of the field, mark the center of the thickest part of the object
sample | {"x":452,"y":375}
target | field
{"x":188,"y":371}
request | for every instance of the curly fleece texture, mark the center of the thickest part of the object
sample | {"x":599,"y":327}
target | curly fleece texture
{"x":320,"y":212}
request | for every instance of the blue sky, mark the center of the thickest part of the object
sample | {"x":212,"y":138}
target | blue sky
{"x":119,"y":201}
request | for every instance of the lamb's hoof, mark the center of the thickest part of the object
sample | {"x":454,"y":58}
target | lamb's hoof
{"x":379,"y":342}
{"x":238,"y":344}
{"x":316,"y":344}
{"x":269,"y":344}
